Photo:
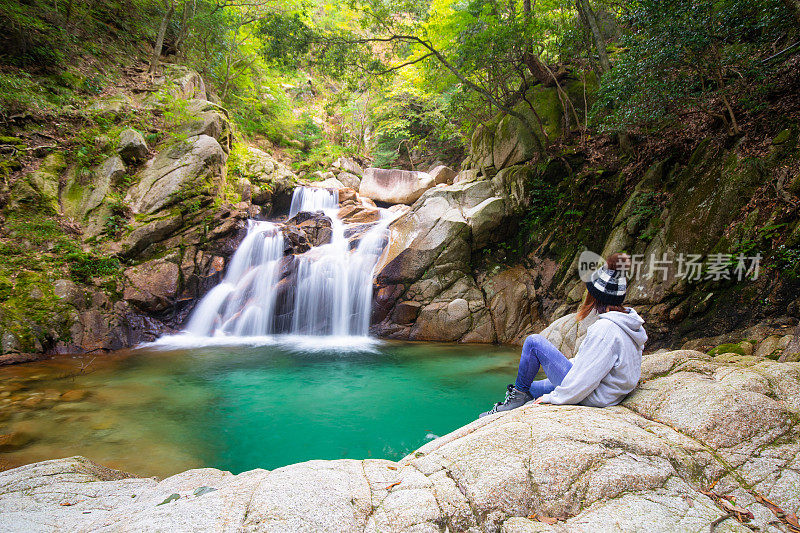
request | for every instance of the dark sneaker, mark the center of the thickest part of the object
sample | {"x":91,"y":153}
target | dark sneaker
{"x":514,"y":398}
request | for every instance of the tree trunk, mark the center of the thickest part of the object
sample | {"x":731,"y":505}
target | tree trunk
{"x":160,"y":38}
{"x":794,"y":7}
{"x":591,"y":20}
{"x":585,"y":9}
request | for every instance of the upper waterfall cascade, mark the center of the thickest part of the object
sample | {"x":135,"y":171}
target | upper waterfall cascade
{"x":324,"y":291}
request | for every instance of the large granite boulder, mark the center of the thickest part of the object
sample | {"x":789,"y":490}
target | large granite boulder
{"x":209,"y":119}
{"x":83,"y":195}
{"x":394,"y":186}
{"x":428,"y":262}
{"x":703,"y":444}
{"x":186,"y":170}
{"x":132,"y":146}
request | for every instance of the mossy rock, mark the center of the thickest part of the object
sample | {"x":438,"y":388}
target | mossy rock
{"x":711,"y":191}
{"x":546,"y":103}
{"x":513,"y":143}
{"x":738,"y":348}
{"x":782,"y":137}
{"x":40,"y":188}
{"x":482,"y":144}
{"x":579,"y":92}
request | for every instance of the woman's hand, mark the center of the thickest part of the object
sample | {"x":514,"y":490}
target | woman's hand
{"x":538,"y":401}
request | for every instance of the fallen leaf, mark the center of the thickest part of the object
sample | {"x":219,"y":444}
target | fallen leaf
{"x":393,"y":485}
{"x":734,"y":508}
{"x":549,"y":520}
{"x":66,"y":504}
{"x":171,"y":498}
{"x":392,"y":467}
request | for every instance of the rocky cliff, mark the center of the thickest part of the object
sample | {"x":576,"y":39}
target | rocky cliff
{"x":704,"y":442}
{"x":494,"y":256}
{"x":109,"y":240}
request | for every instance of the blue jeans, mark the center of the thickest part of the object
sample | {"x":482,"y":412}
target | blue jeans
{"x":538,"y":352}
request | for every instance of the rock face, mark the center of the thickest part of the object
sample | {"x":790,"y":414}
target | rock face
{"x":699,"y":433}
{"x":40,"y":188}
{"x":428,"y":262}
{"x":316,"y":226}
{"x":172,"y":220}
{"x":132,"y":147}
{"x":394,"y":186}
{"x":152,"y":286}
{"x":189,"y":168}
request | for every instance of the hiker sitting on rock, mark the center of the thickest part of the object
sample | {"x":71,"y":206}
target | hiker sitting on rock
{"x":608,"y":363}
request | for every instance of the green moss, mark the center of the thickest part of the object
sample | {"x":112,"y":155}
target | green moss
{"x":83,"y":267}
{"x":731,"y":347}
{"x":31,"y":312}
{"x":782,"y":137}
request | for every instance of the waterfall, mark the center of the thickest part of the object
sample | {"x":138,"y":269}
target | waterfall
{"x":326,"y":291}
{"x":312,"y":199}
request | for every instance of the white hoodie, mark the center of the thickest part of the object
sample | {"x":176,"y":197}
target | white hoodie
{"x":608,"y":364}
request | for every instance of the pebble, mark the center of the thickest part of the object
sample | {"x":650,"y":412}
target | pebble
{"x":74,"y":395}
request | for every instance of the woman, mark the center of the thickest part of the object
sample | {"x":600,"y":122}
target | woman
{"x":608,"y":363}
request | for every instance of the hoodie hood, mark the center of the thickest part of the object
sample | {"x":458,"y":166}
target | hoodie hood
{"x":630,"y":322}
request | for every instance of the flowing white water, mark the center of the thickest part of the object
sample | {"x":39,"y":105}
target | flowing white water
{"x":312,"y":199}
{"x":330,"y":286}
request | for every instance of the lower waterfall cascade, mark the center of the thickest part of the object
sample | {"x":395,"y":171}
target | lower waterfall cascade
{"x":326,"y":291}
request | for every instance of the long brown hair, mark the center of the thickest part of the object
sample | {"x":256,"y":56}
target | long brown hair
{"x":615,"y":262}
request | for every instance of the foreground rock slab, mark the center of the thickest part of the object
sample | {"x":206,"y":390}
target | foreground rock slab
{"x":700,"y":437}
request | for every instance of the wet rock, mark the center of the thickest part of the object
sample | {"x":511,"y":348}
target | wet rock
{"x":152,"y":286}
{"x":316,"y":226}
{"x":295,"y":240}
{"x":348,"y":195}
{"x":356,"y":214}
{"x":15,"y":440}
{"x":74,"y":395}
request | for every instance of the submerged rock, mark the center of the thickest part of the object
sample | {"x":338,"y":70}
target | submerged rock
{"x":696,"y":435}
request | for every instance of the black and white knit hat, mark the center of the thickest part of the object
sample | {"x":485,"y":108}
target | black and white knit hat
{"x":607,"y":286}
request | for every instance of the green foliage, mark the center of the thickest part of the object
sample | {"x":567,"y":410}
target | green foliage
{"x":117,"y":220}
{"x":83,"y":267}
{"x":787,"y":260}
{"x":309,"y":132}
{"x":683,"y":54}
